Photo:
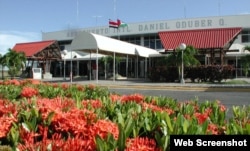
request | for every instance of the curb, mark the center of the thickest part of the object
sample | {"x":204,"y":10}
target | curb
{"x":164,"y":86}
{"x":180,"y":88}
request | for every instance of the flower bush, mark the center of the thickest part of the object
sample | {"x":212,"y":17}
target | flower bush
{"x":50,"y":117}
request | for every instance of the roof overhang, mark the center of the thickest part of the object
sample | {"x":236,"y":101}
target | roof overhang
{"x":40,"y":50}
{"x":93,"y":43}
{"x":75,"y":55}
{"x":218,"y":38}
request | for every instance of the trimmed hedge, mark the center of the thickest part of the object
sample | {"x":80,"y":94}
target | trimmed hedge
{"x":211,"y":73}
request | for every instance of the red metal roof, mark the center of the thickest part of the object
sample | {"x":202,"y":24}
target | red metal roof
{"x":32,"y":48}
{"x":200,"y":39}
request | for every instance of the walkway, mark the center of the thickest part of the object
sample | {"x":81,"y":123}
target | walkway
{"x":145,"y":84}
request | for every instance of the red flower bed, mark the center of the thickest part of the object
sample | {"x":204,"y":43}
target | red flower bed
{"x":77,"y":118}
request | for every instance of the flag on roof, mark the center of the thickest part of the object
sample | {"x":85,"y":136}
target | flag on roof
{"x":113,"y":24}
{"x":121,"y":24}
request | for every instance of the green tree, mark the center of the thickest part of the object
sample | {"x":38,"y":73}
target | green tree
{"x":3,"y":64}
{"x":175,"y":58}
{"x":110,"y":59}
{"x":247,"y":48}
{"x":246,"y":61}
{"x":15,"y":61}
{"x":105,"y":60}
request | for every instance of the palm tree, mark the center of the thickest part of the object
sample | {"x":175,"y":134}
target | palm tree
{"x":247,"y":48}
{"x":246,"y":61}
{"x":110,"y":59}
{"x":15,"y":61}
{"x":246,"y":64}
{"x":1,"y":63}
{"x":175,"y":58}
{"x":105,"y":61}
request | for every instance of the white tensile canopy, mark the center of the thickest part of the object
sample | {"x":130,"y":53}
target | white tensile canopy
{"x":240,"y":52}
{"x":239,"y":48}
{"x":78,"y":56}
{"x":90,"y":42}
{"x":93,"y":43}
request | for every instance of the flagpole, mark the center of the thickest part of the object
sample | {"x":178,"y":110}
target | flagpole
{"x":115,"y":9}
{"x":118,"y":35}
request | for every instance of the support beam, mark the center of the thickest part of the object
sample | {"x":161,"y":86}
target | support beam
{"x":114,"y":67}
{"x":127,"y":66}
{"x":146,"y":68}
{"x":222,"y":54}
{"x":97,"y":68}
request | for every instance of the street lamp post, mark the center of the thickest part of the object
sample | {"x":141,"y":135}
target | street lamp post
{"x":182,"y":46}
{"x":71,"y":67}
{"x":64,"y":53}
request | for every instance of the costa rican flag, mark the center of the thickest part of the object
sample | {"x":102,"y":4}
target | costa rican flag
{"x":113,"y":24}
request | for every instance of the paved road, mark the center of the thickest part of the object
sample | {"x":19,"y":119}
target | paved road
{"x":229,"y":95}
{"x":228,"y":99}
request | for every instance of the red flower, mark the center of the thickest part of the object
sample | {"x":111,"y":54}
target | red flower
{"x":92,"y":103}
{"x":133,"y":97}
{"x":35,"y":82}
{"x":56,"y":105}
{"x":15,"y":82}
{"x":28,"y":92}
{"x":55,"y":85}
{"x":157,"y":108}
{"x":31,"y":81}
{"x":103,"y":127}
{"x":212,"y":128}
{"x":201,"y":117}
{"x":6,"y":123}
{"x":208,"y":111}
{"x":65,"y":86}
{"x":8,"y":114}
{"x":80,"y":88}
{"x":91,"y":86}
{"x":222,"y":108}
{"x":141,"y":144}
{"x":115,"y":97}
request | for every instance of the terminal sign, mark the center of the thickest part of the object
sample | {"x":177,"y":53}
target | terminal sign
{"x":152,"y":27}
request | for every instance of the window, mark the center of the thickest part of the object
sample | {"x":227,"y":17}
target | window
{"x":62,"y":47}
{"x":245,"y":36}
{"x":146,"y":41}
{"x":132,"y":39}
{"x":158,"y":44}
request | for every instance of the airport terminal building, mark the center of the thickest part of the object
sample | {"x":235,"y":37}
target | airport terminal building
{"x":219,"y":40}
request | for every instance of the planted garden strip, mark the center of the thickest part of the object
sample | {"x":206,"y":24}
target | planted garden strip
{"x":42,"y":116}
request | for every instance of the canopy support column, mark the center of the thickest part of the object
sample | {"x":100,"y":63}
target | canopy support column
{"x":236,"y":67}
{"x":77,"y":66}
{"x":71,"y":67}
{"x":96,"y":71}
{"x":127,"y":66}
{"x":137,"y":63}
{"x":222,"y":56}
{"x":114,"y":67}
{"x":146,"y":67}
{"x":90,"y":65}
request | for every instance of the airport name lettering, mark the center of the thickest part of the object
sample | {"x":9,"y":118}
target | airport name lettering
{"x":196,"y":23}
{"x":150,"y":27}
{"x":180,"y":25}
{"x":159,"y":26}
{"x":200,"y":142}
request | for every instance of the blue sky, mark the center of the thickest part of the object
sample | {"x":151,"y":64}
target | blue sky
{"x":24,"y":20}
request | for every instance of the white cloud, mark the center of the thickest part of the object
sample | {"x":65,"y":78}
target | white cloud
{"x":244,"y":13}
{"x":9,"y":38}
